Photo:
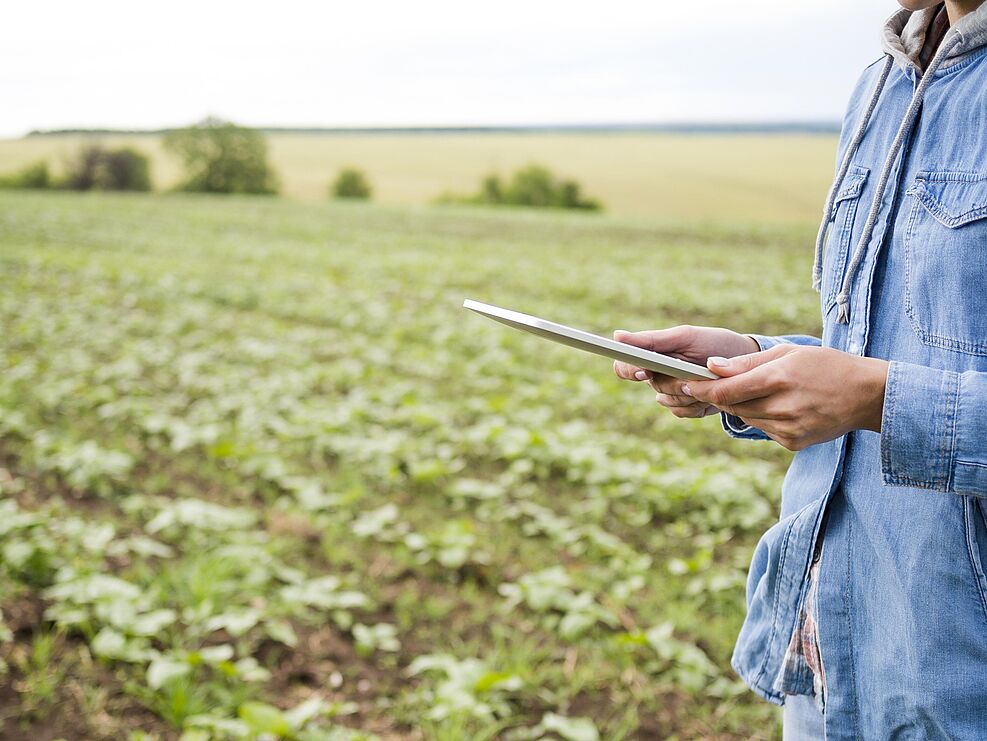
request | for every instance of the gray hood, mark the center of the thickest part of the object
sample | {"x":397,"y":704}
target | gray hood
{"x":919,"y":43}
{"x":905,"y":34}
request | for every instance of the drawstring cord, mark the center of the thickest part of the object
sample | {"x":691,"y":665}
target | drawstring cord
{"x":841,"y":173}
{"x":843,"y":297}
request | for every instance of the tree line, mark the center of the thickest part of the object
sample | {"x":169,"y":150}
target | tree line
{"x":222,"y":157}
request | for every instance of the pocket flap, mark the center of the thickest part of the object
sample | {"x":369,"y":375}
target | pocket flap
{"x":952,"y":198}
{"x":853,"y":183}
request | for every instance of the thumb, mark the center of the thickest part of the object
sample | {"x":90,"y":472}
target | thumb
{"x":725,"y":367}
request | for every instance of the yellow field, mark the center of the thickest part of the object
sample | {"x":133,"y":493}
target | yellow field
{"x":744,"y":177}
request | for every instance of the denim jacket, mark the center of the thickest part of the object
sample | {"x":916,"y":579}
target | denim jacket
{"x":898,"y":602}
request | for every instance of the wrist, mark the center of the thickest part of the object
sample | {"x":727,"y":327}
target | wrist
{"x":874,"y":380}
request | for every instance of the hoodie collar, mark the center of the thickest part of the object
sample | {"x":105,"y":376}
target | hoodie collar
{"x":906,"y":32}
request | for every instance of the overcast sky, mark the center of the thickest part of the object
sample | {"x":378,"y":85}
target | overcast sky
{"x":431,"y":62}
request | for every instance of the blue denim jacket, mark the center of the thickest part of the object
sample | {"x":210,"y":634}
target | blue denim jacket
{"x":900,"y":599}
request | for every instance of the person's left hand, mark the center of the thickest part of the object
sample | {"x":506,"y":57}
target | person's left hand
{"x":798,"y":395}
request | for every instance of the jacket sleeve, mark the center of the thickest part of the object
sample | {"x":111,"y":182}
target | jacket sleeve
{"x":736,"y":427}
{"x":932,"y":429}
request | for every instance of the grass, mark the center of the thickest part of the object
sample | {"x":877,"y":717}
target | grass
{"x":736,"y":178}
{"x":262,"y":473}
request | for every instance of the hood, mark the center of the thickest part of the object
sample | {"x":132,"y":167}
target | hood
{"x":911,"y":38}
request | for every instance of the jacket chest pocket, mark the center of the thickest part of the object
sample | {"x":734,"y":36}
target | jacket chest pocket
{"x":946,"y":261}
{"x":838,"y":243}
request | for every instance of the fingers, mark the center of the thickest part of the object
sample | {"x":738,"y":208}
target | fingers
{"x":728,"y":392}
{"x":629,"y":372}
{"x":657,"y":340}
{"x":667,"y":385}
{"x":695,"y":410}
{"x":671,"y":400}
{"x":763,"y":409}
{"x":725,"y":367}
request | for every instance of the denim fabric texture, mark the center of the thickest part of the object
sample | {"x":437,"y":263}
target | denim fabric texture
{"x":802,"y":720}
{"x":901,"y":598}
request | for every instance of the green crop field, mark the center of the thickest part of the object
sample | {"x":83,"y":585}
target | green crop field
{"x":261,"y":476}
{"x":746,"y":178}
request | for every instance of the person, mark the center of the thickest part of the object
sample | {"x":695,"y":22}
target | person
{"x":867,"y":600}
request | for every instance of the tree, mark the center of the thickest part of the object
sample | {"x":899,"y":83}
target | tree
{"x":98,"y":168}
{"x":221,"y":157}
{"x":351,"y":183}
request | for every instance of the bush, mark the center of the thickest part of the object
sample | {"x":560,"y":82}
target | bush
{"x":533,"y":185}
{"x":97,"y":168}
{"x":351,"y":183}
{"x":221,"y":157}
{"x":33,"y":177}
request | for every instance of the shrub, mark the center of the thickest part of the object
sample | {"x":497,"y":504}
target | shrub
{"x":221,"y":157}
{"x":34,"y":177}
{"x":533,"y":185}
{"x":98,"y":168}
{"x":351,"y":183}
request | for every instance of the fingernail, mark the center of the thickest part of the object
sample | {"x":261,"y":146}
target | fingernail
{"x":719,"y":362}
{"x":686,"y":390}
{"x":640,"y":375}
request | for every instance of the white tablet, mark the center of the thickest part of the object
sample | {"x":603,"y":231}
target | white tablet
{"x":592,"y":343}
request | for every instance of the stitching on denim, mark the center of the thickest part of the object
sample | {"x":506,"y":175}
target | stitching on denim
{"x":888,"y":427}
{"x":944,"y":217}
{"x":849,"y":620}
{"x":940,"y":426}
{"x":973,"y":549}
{"x":974,"y":464}
{"x":909,"y":230}
{"x":950,"y":176}
{"x":929,"y":338}
{"x":949,"y":477}
{"x":848,"y":199}
{"x":777,"y":603}
{"x":849,"y":626}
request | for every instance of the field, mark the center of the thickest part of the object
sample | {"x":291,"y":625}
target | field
{"x":261,"y":474}
{"x":745,"y":178}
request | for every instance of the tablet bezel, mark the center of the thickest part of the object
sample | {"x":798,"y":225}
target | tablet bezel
{"x":588,"y":342}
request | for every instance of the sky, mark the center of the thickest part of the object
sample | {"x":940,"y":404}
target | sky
{"x":431,"y":62}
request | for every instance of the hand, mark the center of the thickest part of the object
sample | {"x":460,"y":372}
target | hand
{"x":694,"y":344}
{"x":798,"y":395}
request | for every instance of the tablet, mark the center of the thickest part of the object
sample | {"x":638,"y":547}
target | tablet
{"x":592,"y":343}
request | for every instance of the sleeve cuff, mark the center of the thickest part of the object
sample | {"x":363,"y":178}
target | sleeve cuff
{"x":736,"y":427}
{"x":918,"y":426}
{"x":766,"y":342}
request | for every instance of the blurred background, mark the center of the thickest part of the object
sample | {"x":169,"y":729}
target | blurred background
{"x":260,"y":475}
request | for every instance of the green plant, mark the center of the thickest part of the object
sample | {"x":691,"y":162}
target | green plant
{"x":35,"y":176}
{"x":533,"y":185}
{"x":221,"y":157}
{"x":351,"y":183}
{"x":219,"y":491}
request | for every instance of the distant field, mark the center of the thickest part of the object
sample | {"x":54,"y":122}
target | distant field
{"x":724,"y":178}
{"x":260,"y":473}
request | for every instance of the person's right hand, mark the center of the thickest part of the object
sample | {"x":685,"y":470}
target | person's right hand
{"x":686,"y":342}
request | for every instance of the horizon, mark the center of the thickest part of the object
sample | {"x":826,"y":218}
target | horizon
{"x":821,"y":126}
{"x":120,"y":66}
